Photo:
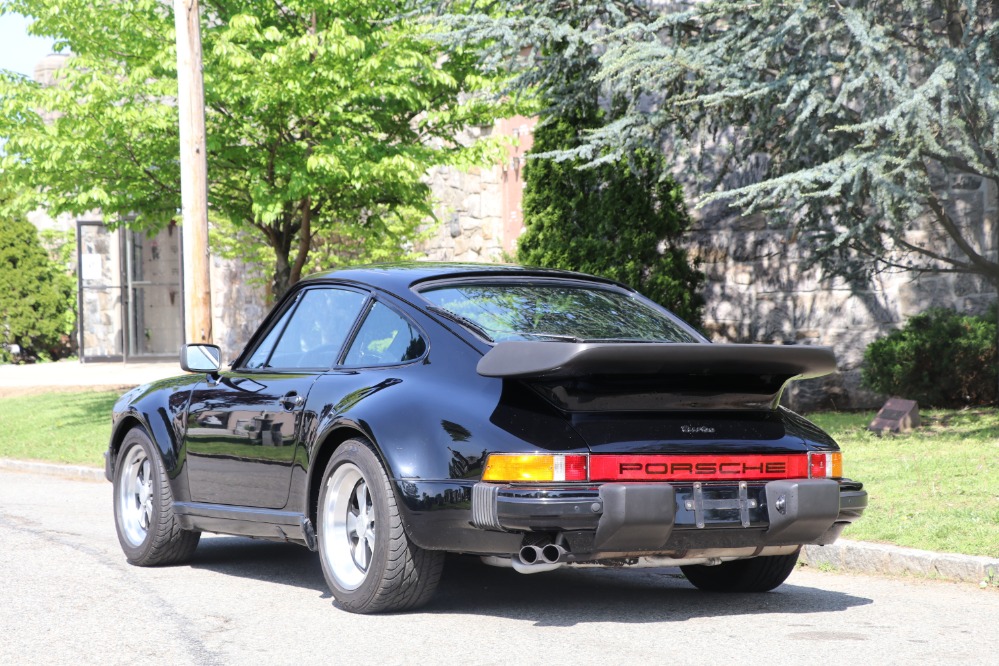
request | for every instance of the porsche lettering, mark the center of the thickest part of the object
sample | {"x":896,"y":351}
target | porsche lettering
{"x":707,"y":468}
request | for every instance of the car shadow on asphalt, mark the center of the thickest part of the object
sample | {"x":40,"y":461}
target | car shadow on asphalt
{"x":242,"y":557}
{"x":568,"y":597}
{"x":561,"y":598}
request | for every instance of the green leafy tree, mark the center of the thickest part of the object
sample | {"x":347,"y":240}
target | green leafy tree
{"x":616,"y":220}
{"x":35,"y":293}
{"x":322,"y":119}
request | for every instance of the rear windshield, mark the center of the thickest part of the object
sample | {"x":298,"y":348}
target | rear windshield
{"x":577,"y":313}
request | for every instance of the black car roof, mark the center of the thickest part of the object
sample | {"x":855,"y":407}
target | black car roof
{"x":399,"y":278}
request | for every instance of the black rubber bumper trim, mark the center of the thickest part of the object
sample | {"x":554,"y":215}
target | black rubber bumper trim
{"x":851,"y":505}
{"x":853,"y":500}
{"x":636,"y":516}
{"x":544,"y":508}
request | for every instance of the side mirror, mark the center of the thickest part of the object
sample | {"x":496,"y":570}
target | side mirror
{"x":201,"y":358}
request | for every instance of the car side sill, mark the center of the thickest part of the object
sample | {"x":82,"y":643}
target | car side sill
{"x":229,"y":512}
{"x":254,"y":522}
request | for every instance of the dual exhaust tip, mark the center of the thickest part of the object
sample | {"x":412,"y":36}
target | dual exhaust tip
{"x":537,"y":556}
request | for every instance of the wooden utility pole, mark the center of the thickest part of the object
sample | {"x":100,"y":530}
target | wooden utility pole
{"x":193,"y":173}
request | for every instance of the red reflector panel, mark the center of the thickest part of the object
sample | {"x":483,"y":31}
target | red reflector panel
{"x":818,"y":468}
{"x":575,"y":468}
{"x":698,"y":468}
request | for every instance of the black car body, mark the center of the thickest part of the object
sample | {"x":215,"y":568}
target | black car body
{"x":386,"y":415}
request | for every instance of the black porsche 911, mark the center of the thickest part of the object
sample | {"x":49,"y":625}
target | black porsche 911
{"x":385,"y":416}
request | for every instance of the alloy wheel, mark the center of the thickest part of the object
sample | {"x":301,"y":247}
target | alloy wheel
{"x":135,"y":496}
{"x":348,"y":526}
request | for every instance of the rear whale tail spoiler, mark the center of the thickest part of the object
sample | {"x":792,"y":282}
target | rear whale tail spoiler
{"x":623,"y":375}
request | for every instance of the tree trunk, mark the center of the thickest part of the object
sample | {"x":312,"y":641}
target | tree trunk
{"x":304,"y":242}
{"x":280,"y":240}
{"x":282,"y":274}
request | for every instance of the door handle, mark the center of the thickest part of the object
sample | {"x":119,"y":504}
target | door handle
{"x":292,"y":400}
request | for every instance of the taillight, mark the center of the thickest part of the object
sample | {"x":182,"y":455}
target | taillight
{"x":512,"y":468}
{"x":825,"y":465}
{"x":549,"y":468}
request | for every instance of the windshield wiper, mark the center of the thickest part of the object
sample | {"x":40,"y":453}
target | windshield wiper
{"x":561,"y":337}
{"x":641,"y":341}
{"x":467,"y":323}
{"x":555,"y":337}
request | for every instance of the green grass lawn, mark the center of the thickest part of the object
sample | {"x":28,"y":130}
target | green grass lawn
{"x":69,"y":428}
{"x":936,"y":489}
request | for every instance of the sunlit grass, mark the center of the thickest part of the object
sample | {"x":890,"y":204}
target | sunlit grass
{"x":71,"y":428}
{"x":936,"y":488}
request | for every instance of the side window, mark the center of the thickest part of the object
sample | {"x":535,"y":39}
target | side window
{"x":314,"y":332}
{"x":384,"y":338}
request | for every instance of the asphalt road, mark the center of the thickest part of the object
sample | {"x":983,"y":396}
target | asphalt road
{"x":68,"y":596}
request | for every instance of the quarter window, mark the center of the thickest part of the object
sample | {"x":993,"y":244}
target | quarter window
{"x":384,"y":338}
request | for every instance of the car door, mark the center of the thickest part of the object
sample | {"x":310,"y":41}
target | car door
{"x":243,"y":430}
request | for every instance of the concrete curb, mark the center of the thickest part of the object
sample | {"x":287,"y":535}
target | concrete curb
{"x":882,"y":559}
{"x":845,"y":555}
{"x":71,"y":471}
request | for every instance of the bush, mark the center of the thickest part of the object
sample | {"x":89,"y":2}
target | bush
{"x":939,"y":359}
{"x":35,"y":296}
{"x":617,"y":220}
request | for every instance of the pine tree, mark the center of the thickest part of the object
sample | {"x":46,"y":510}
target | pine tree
{"x":852,"y":123}
{"x":618,"y":220}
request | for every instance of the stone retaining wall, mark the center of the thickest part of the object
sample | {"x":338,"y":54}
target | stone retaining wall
{"x":756,"y":288}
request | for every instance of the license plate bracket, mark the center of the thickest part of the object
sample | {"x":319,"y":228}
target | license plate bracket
{"x":697,"y":503}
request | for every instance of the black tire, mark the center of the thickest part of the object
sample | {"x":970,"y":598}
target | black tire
{"x":369,"y":562}
{"x":757,"y":574}
{"x":143,"y":507}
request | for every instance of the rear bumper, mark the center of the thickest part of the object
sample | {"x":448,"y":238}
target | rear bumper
{"x":661,"y":517}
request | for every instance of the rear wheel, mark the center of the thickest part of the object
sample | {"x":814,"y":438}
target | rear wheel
{"x":757,"y":574}
{"x":143,"y":507}
{"x":368,"y":560}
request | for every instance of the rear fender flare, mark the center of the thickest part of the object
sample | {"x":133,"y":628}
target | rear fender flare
{"x":335,"y":434}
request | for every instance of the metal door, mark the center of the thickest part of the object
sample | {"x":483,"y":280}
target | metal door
{"x":101,"y":297}
{"x":130,"y":300}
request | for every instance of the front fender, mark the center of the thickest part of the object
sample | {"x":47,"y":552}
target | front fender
{"x":158,"y":408}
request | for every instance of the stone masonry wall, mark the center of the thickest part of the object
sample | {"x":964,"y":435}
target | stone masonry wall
{"x":757,"y":291}
{"x":479,"y":211}
{"x":239,"y":304}
{"x":469,"y":212}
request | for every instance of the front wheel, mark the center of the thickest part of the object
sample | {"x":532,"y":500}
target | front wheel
{"x":368,"y":560}
{"x":143,"y":507}
{"x":757,"y":574}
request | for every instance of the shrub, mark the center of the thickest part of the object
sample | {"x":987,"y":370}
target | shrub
{"x":617,"y":220}
{"x":939,"y":359}
{"x":35,"y":294}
